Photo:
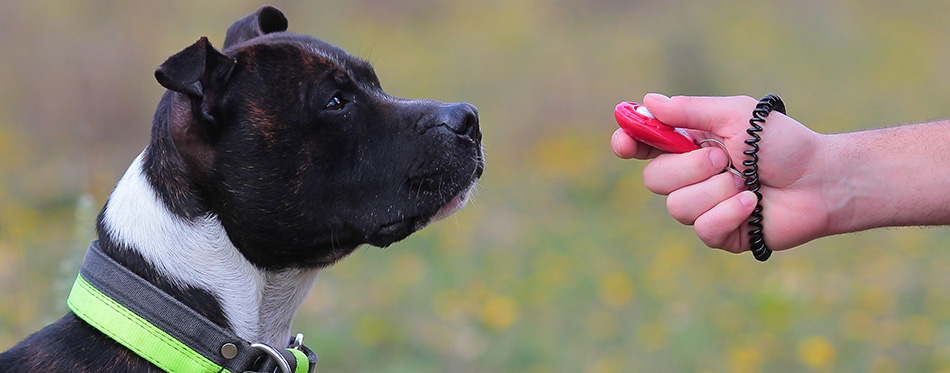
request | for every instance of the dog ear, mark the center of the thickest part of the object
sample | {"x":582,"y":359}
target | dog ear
{"x":265,"y":20}
{"x":194,"y":71}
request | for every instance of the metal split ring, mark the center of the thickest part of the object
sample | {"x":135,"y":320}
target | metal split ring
{"x":730,"y":166}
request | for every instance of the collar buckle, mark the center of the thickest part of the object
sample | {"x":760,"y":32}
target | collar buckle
{"x":282,"y":362}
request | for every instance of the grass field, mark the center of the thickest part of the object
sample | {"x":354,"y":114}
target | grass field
{"x":564,"y":262}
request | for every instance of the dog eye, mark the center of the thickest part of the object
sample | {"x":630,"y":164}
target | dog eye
{"x":335,"y":104}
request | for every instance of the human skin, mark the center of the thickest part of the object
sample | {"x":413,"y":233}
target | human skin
{"x":813,"y":184}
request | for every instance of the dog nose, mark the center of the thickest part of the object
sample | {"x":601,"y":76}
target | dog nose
{"x":461,"y":118}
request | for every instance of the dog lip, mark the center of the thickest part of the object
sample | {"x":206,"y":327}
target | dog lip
{"x":395,"y":231}
{"x":455,"y":204}
{"x":398,"y":230}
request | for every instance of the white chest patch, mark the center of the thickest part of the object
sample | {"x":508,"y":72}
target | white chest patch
{"x":260,"y":305}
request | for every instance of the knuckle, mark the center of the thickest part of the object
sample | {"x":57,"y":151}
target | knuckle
{"x":680,"y":99}
{"x":746,"y":100}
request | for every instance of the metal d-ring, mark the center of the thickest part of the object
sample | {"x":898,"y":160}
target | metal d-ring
{"x":729,"y":167}
{"x":281,"y":361}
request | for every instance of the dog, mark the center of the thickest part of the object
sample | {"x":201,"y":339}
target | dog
{"x":269,"y":160}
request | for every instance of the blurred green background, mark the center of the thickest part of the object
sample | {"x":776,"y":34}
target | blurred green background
{"x":564,"y":262}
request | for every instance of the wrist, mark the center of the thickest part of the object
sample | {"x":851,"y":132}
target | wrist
{"x":838,"y":189}
{"x":888,"y":177}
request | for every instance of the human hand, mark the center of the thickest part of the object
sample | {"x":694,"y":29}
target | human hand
{"x":792,"y":170}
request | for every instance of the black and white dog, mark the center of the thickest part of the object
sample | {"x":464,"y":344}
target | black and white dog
{"x":268,"y":161}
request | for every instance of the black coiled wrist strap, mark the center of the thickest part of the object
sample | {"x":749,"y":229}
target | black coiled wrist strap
{"x":756,"y":237}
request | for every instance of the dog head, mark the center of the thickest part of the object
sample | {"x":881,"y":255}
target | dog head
{"x":295,"y":147}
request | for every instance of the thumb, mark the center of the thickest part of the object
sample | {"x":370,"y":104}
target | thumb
{"x":700,"y":113}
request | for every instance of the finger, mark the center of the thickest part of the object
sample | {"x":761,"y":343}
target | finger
{"x":722,"y":226}
{"x":626,"y":147}
{"x":669,"y":172}
{"x":688,"y":203}
{"x":701,"y":113}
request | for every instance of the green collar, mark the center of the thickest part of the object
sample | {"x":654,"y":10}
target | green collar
{"x":164,"y":331}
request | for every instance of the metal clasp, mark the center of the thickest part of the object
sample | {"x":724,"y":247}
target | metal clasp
{"x":297,"y":343}
{"x":282,"y":363}
{"x":273,"y":353}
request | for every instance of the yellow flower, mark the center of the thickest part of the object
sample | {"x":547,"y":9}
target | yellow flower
{"x":616,"y":289}
{"x":817,"y":352}
{"x":500,"y":312}
{"x":746,"y":360}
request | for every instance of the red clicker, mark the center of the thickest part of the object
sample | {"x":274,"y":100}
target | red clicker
{"x":637,"y":121}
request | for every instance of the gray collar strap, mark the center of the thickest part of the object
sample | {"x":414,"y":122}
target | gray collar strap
{"x":164,"y":331}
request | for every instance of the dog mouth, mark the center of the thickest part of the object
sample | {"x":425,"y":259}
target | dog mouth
{"x":453,"y":205}
{"x":406,"y":225}
{"x":398,"y":230}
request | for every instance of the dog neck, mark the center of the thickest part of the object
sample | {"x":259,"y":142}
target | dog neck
{"x":258,"y":305}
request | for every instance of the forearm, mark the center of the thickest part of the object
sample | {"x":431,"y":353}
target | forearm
{"x":888,"y":177}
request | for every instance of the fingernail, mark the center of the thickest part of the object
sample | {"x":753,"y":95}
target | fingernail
{"x":747,"y":199}
{"x":614,"y":143}
{"x":657,"y":96}
{"x":718,"y":159}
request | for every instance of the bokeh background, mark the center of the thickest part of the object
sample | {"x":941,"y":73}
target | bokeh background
{"x":564,"y":262}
